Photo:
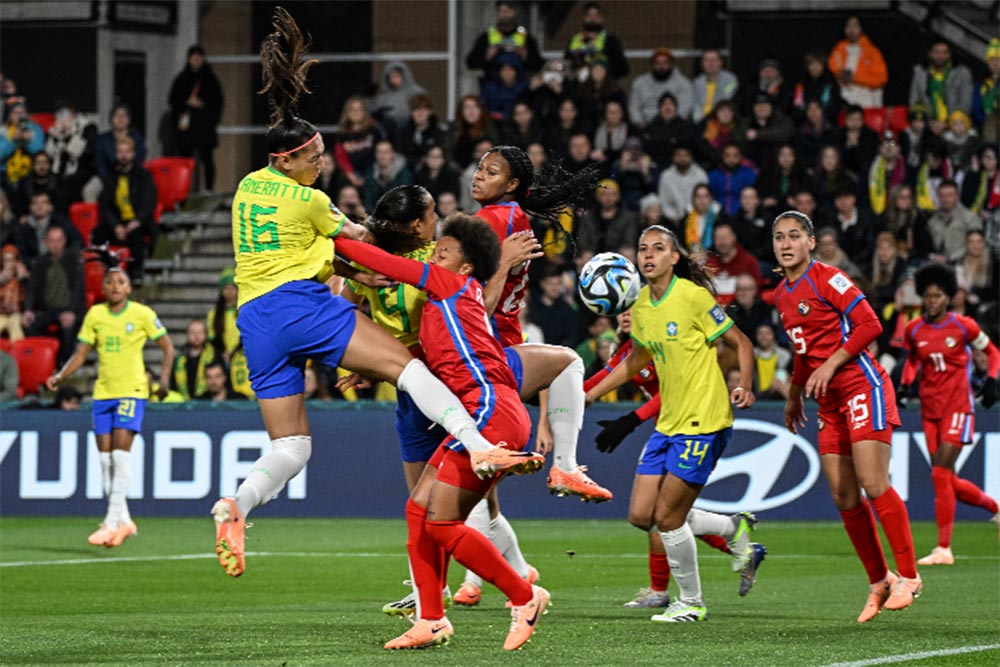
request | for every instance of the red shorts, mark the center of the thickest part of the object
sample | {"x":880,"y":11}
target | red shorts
{"x":509,"y":425}
{"x":860,"y":404}
{"x":956,"y":429}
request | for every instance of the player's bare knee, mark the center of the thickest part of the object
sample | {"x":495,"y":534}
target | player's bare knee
{"x":643,"y":522}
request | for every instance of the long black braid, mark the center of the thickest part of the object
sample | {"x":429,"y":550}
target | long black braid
{"x":685,"y":266}
{"x":548,"y":193}
{"x":284,"y":79}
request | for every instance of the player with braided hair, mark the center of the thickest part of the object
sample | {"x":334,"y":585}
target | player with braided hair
{"x":282,"y":239}
{"x":939,"y":347}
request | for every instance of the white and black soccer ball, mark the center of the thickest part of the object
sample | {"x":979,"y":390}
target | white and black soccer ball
{"x":609,"y":284}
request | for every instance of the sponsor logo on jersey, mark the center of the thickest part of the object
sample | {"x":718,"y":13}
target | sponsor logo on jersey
{"x":950,"y":342}
{"x":672,"y":329}
{"x":840,"y":282}
{"x":717,"y":315}
{"x":129,"y":328}
{"x":922,"y":343}
{"x":156,"y":323}
{"x":804,"y":308}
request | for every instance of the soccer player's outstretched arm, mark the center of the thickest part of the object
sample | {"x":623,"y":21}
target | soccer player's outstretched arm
{"x":438,"y":282}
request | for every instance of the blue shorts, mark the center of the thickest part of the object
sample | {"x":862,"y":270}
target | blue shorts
{"x":516,"y":366}
{"x":115,"y":413}
{"x":419,"y":437}
{"x":284,"y":328}
{"x":690,"y":457}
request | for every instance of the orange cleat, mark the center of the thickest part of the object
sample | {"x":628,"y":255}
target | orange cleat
{"x":877,"y":596}
{"x":938,"y":556}
{"x":101,"y":536}
{"x":499,"y":459}
{"x":904,"y":593}
{"x":124,"y":531}
{"x":468,"y":595}
{"x":578,"y":483}
{"x":524,"y":619}
{"x":229,"y":534}
{"x":423,"y":634}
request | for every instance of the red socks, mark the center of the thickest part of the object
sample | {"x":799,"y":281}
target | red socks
{"x":427,"y":562}
{"x":659,"y":571}
{"x":970,"y":494}
{"x":716,"y":542}
{"x":896,"y":524}
{"x":944,"y":503}
{"x":473,"y":550}
{"x":860,"y":526}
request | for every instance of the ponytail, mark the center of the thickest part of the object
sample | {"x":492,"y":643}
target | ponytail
{"x":284,"y":79}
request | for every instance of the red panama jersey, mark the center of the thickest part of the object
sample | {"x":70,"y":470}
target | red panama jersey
{"x":506,"y":219}
{"x":943,"y":353}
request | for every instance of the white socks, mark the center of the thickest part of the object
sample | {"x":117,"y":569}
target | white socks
{"x":710,"y":523}
{"x":565,"y":412}
{"x":272,"y":471}
{"x":440,"y":405}
{"x":106,"y":473}
{"x":501,"y":534}
{"x":682,"y":554}
{"x":121,"y":477}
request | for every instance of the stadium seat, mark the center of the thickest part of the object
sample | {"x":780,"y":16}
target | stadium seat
{"x":899,"y":118}
{"x":44,"y":120}
{"x":6,"y":345}
{"x":875,"y":118}
{"x":36,"y":361}
{"x":93,"y":277}
{"x":172,"y":176}
{"x":85,"y":217}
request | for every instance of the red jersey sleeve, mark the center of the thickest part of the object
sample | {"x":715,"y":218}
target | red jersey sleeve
{"x":650,"y":408}
{"x":437,"y":282}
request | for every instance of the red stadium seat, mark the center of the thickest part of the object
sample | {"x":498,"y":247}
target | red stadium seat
{"x":85,"y":217}
{"x":44,"y":120}
{"x":93,"y":276}
{"x":875,"y":118}
{"x":172,"y":176}
{"x":6,"y":345}
{"x":36,"y":361}
{"x":899,"y":118}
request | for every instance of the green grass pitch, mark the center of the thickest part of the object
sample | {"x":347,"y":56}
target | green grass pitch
{"x":314,"y":588}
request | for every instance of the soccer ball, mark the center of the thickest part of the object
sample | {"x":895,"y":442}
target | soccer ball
{"x":609,"y":284}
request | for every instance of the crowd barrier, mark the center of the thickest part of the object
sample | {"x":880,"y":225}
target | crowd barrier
{"x":190,"y":456}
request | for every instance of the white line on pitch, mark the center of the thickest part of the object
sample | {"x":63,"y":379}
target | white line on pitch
{"x":921,"y":655}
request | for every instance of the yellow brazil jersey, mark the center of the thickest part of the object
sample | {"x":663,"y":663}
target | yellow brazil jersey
{"x":678,"y":332}
{"x":230,"y":333}
{"x":280,"y":233}
{"x":397,"y":309}
{"x":119,"y":339}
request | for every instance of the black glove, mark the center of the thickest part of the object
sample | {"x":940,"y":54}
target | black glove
{"x":903,"y":395}
{"x":990,"y":393}
{"x":616,"y":430}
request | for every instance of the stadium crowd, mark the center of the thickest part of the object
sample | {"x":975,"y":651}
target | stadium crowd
{"x":713,"y":158}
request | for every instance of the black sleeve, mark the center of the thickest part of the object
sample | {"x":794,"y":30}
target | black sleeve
{"x":535,"y":61}
{"x":476,"y":59}
{"x":617,"y":62}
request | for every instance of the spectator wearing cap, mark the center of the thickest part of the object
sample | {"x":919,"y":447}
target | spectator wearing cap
{"x":595,"y":41}
{"x":859,"y":66}
{"x":636,"y":173}
{"x":911,"y":137}
{"x":730,"y":177}
{"x":771,"y":82}
{"x":766,"y":130}
{"x":608,"y":227}
{"x":677,"y":184}
{"x":986,"y":97}
{"x":648,"y":90}
{"x":962,"y":139}
{"x":942,"y":86}
{"x":506,"y":36}
{"x":888,"y":170}
{"x":20,"y":138}
{"x":817,"y":84}
{"x":392,"y":102}
{"x":501,"y":92}
{"x":667,"y":131}
{"x":714,"y":85}
{"x":855,"y":226}
{"x":858,"y":143}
